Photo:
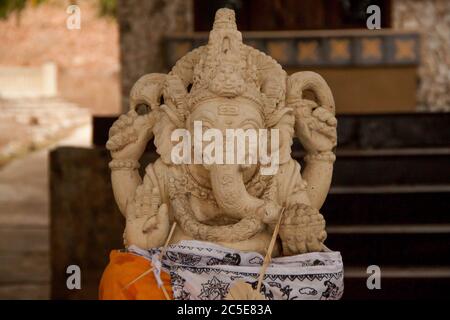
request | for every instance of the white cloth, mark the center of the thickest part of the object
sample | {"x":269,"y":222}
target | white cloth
{"x":205,"y":271}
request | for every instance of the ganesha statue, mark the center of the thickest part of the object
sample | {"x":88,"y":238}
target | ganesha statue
{"x":206,"y":190}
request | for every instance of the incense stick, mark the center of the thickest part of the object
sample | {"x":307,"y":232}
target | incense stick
{"x":268,"y":256}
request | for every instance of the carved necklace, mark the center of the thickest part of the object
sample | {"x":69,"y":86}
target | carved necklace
{"x":183,"y":184}
{"x":187,"y":183}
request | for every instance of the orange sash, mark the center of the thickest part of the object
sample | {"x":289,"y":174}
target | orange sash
{"x":125,"y":267}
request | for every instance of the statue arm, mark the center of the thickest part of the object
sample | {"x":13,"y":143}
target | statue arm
{"x":129,"y":136}
{"x":303,"y":227}
{"x":310,"y":186}
{"x":124,"y":185}
{"x":318,"y":174}
{"x":139,"y":199}
{"x":315,"y":127}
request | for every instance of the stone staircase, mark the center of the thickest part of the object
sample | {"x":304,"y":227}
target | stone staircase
{"x":389,"y":206}
{"x":31,"y":123}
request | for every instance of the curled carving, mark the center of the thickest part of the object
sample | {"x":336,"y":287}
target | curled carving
{"x":300,"y":82}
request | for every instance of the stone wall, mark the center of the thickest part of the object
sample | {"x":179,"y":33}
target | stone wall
{"x":142,"y":27}
{"x":91,"y":52}
{"x":26,"y":82}
{"x":432,"y":19}
{"x":143,"y":24}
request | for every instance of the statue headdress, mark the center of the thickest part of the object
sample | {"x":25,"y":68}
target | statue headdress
{"x":225,"y":67}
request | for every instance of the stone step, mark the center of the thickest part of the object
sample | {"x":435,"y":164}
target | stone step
{"x":44,"y":109}
{"x":422,"y":204}
{"x":24,"y":268}
{"x":34,"y":291}
{"x":387,"y":131}
{"x":371,"y":131}
{"x":398,"y":283}
{"x":360,"y":160}
{"x":392,"y":166}
{"x":24,"y":262}
{"x":33,"y":102}
{"x":380,"y":167}
{"x":394,"y":245}
{"x":24,"y":239}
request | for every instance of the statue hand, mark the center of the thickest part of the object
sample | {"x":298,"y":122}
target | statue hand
{"x":316,"y":129}
{"x":302,"y":230}
{"x":148,"y":230}
{"x":129,"y":135}
{"x":156,"y":228}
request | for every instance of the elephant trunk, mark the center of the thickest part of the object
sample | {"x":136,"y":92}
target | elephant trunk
{"x":232,"y":196}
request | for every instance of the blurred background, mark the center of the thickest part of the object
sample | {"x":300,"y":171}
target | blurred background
{"x":66,"y":69}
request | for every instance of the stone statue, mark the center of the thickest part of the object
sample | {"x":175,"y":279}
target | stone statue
{"x":225,"y":85}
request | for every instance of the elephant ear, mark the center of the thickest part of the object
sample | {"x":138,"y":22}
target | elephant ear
{"x":173,"y":116}
{"x":153,"y":91}
{"x":298,"y":85}
{"x":163,"y":131}
{"x":148,"y":91}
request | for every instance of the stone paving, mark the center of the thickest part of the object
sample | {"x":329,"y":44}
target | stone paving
{"x":24,"y":222}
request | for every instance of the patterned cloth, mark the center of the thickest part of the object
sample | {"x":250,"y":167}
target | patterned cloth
{"x":206,"y":271}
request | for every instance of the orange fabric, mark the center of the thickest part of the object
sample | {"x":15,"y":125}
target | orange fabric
{"x":122,"y":269}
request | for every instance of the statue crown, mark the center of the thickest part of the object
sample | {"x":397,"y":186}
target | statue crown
{"x":225,"y":70}
{"x":226,"y":67}
{"x":225,"y":19}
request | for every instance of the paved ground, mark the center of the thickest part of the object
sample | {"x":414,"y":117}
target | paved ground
{"x":24,"y":222}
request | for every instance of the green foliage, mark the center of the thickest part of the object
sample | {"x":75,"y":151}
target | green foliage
{"x":7,"y":7}
{"x":108,"y":7}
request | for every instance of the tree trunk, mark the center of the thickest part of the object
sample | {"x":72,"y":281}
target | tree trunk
{"x":143,"y":25}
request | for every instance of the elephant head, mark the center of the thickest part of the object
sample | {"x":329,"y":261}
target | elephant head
{"x":224,"y":85}
{"x":239,"y":114}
